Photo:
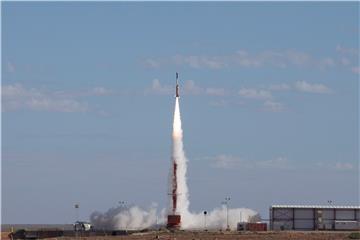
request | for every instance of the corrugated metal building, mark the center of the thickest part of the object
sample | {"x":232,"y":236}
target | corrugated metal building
{"x":314,"y":217}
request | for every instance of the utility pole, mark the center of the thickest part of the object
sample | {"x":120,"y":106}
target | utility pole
{"x":77,"y":211}
{"x":226,"y":202}
{"x":76,"y":225}
{"x":205,"y":212}
{"x":227,"y":199}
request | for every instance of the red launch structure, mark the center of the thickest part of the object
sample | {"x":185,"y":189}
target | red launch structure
{"x":174,"y":219}
{"x":174,"y":184}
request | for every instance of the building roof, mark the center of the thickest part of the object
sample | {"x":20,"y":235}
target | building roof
{"x":314,"y":206}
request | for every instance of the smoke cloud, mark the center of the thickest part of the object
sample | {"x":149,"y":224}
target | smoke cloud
{"x":217,"y":218}
{"x":128,"y":218}
{"x":137,"y":218}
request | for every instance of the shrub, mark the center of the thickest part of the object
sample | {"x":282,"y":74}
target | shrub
{"x":354,"y":235}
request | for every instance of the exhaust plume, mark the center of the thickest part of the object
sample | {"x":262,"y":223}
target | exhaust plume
{"x":178,"y":157}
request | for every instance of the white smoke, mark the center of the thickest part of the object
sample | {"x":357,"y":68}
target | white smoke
{"x":128,"y":218}
{"x":216,"y":219}
{"x":135,"y":218}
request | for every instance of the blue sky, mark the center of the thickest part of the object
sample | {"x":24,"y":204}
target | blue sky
{"x":269,"y":103}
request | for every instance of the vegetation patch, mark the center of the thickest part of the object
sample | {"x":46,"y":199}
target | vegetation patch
{"x":354,"y":235}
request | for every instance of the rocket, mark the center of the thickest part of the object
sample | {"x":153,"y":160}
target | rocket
{"x":177,"y":86}
{"x":174,"y":217}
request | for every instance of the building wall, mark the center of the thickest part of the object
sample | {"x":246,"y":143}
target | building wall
{"x":303,"y":219}
{"x":345,"y":214}
{"x":293,"y":218}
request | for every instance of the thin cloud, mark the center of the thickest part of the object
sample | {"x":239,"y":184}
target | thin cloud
{"x":16,"y":97}
{"x":10,"y":67}
{"x":347,"y":51}
{"x":273,"y":106}
{"x":212,"y":62}
{"x":152,"y":63}
{"x":269,"y":104}
{"x":219,"y":103}
{"x":337,"y":166}
{"x":349,"y":57}
{"x":303,"y":86}
{"x":158,"y":88}
{"x":228,"y":162}
{"x":55,"y":105}
{"x":255,"y":93}
{"x":343,"y":166}
{"x":244,"y":59}
{"x":326,"y":62}
{"x":191,"y":88}
{"x":188,"y":88}
{"x":100,"y":91}
{"x":215,"y":91}
{"x":356,"y":70}
{"x":18,"y":91}
{"x":278,"y":163}
{"x":345,"y":61}
{"x":280,"y":87}
{"x":225,"y":161}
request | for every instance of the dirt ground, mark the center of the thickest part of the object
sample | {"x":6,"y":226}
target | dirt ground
{"x":242,"y":236}
{"x":182,"y":235}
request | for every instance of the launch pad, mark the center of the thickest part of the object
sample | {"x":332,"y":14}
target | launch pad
{"x":173,"y":221}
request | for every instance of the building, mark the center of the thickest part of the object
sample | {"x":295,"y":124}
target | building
{"x":314,"y":217}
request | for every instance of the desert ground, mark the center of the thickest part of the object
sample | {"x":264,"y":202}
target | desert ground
{"x":197,"y":235}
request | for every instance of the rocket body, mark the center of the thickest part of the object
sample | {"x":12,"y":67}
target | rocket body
{"x":177,"y":90}
{"x":177,"y":86}
{"x":176,"y":136}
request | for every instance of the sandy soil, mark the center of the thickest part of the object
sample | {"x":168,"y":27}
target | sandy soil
{"x":250,"y":236}
{"x":220,"y":236}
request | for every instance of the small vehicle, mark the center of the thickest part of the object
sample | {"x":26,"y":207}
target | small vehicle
{"x":82,"y":226}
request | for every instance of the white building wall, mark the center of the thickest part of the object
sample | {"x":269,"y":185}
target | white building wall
{"x":304,"y":224}
{"x":304,"y":218}
{"x":345,"y":214}
{"x":282,"y":225}
{"x":301,"y":213}
{"x":311,"y":217}
{"x":346,"y":225}
{"x":283,"y":213}
{"x":328,"y":214}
